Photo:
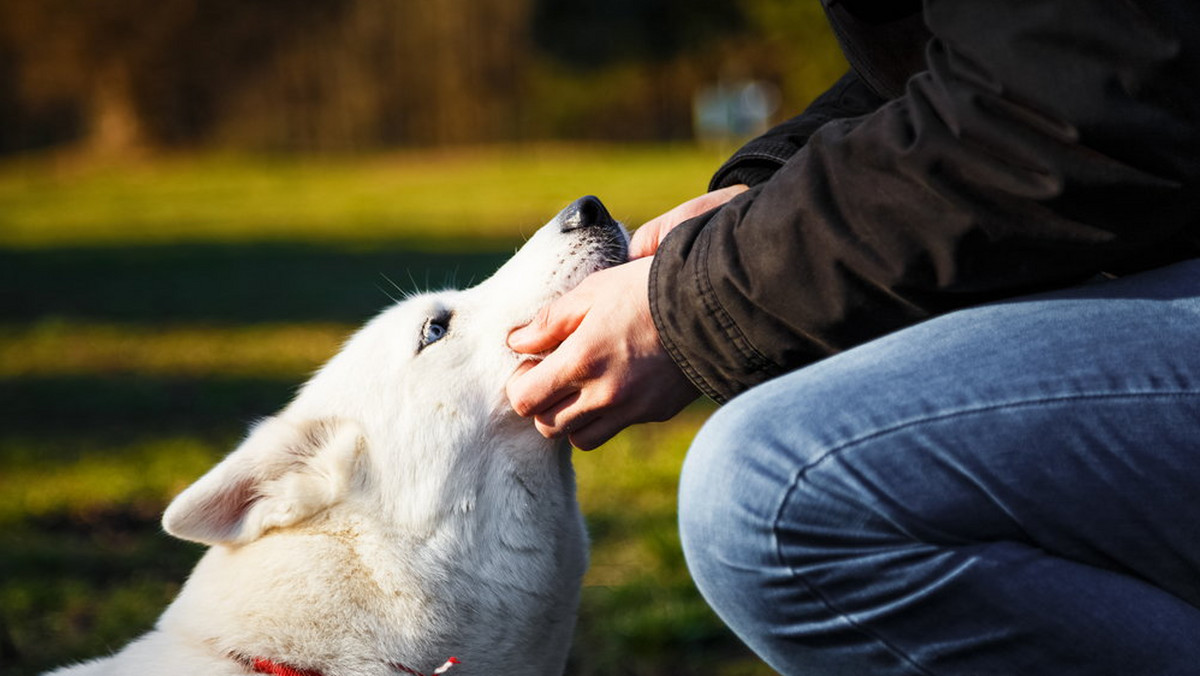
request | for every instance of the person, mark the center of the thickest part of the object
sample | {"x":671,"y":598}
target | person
{"x":952,"y":314}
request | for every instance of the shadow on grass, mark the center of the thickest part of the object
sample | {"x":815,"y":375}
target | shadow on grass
{"x":77,"y":587}
{"x":124,"y":405}
{"x":221,"y":284}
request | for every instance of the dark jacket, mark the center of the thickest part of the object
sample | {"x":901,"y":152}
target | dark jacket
{"x":980,"y":149}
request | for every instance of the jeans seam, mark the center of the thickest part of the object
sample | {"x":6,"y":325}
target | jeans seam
{"x":802,"y":472}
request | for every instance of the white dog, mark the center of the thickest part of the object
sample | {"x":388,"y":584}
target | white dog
{"x":397,"y":512}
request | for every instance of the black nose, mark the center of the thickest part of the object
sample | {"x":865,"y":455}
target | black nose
{"x":584,"y":212}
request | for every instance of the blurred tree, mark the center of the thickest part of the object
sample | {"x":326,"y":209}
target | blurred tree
{"x":146,"y":72}
{"x":593,"y":33}
{"x":627,"y":69}
{"x":336,"y":75}
{"x":388,"y":73}
{"x":804,"y":57}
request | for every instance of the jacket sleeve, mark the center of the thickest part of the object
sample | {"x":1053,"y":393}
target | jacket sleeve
{"x":1046,"y":141}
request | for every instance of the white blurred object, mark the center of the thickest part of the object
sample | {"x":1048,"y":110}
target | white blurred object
{"x":731,"y":111}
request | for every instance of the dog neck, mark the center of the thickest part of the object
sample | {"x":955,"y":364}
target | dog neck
{"x":262,"y":665}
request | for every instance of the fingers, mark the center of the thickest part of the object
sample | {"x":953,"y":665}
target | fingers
{"x":545,"y":332}
{"x":589,"y":426}
{"x":599,"y":429}
{"x":592,"y":406}
{"x":645,"y":240}
{"x":551,"y":326}
{"x":583,"y":424}
{"x":540,"y":390}
{"x":593,"y":435}
{"x":607,"y":370}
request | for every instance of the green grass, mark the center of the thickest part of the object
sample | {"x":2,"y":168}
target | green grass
{"x":87,"y":348}
{"x":463,"y":199}
{"x":150,"y":311}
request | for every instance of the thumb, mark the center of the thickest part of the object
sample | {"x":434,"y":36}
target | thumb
{"x":553,"y":324}
{"x":645,"y":240}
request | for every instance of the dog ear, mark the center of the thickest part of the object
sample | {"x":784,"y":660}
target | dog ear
{"x":282,"y":474}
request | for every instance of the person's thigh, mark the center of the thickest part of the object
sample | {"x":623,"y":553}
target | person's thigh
{"x":1010,"y":489}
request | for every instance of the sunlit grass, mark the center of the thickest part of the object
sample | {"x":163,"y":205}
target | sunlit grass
{"x":446,"y":196}
{"x":641,"y":614}
{"x":61,"y":347}
{"x":70,"y":478}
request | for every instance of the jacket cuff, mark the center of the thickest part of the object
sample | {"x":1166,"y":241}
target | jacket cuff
{"x":752,"y":165}
{"x":698,"y":333}
{"x":663,"y":277}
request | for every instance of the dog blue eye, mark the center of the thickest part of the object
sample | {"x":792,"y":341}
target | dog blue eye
{"x":434,"y":330}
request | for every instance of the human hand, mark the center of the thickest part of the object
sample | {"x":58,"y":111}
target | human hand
{"x":608,"y":369}
{"x":646,"y":239}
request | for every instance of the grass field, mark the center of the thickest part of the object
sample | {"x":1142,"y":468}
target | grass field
{"x":150,"y":310}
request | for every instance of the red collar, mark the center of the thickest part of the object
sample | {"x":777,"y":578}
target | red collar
{"x":261,"y":665}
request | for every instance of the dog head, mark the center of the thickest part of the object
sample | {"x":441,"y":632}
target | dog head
{"x":409,"y":420}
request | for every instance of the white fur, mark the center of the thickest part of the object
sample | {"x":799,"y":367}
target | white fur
{"x":396,"y":511}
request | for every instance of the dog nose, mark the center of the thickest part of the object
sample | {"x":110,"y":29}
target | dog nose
{"x":584,"y":212}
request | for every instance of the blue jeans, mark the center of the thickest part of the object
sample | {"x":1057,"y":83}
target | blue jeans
{"x":1012,"y":489}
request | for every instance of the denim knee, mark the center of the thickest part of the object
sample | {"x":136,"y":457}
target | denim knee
{"x":729,"y":499}
{"x":743,"y":469}
{"x":735,"y":486}
{"x":708,"y":525}
{"x":706,"y":491}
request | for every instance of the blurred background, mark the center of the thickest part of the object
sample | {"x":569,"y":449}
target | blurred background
{"x":199,"y":200}
{"x":359,"y":75}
